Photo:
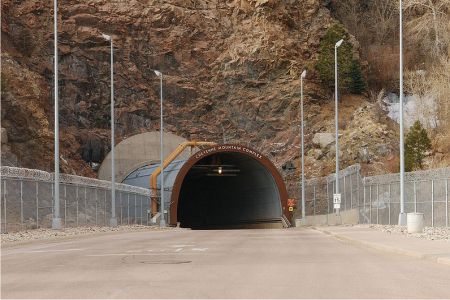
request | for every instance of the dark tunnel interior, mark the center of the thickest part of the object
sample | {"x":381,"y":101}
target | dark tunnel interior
{"x":228,"y":189}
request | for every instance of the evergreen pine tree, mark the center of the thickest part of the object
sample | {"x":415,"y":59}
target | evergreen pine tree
{"x":416,"y":144}
{"x":357,"y":85}
{"x":325,"y":63}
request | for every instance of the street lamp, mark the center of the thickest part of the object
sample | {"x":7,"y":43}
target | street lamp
{"x":303,"y":143}
{"x":113,"y":220}
{"x":402,"y":215}
{"x":162,"y":221}
{"x":56,"y":221}
{"x":336,"y":46}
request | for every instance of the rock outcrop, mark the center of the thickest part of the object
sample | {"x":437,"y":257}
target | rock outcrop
{"x":323,"y":139}
{"x":231,"y":72}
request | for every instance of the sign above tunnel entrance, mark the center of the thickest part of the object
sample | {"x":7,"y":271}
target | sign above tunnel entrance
{"x":232,"y":148}
{"x":245,"y":156}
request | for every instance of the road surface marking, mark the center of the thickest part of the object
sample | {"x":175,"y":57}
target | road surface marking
{"x":41,"y":251}
{"x":140,"y":254}
{"x":199,"y":249}
{"x":55,"y":250}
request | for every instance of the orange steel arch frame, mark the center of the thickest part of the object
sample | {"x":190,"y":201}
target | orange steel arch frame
{"x":227,"y":149}
{"x":167,"y":161}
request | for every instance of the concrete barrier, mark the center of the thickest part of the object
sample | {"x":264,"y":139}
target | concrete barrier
{"x":345,"y":217}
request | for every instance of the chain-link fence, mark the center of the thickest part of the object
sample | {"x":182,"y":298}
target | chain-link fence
{"x":319,"y":192}
{"x":425,"y":192}
{"x":377,"y":198}
{"x":27,"y":201}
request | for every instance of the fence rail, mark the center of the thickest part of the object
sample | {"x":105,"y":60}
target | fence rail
{"x":377,"y":198}
{"x":27,"y":201}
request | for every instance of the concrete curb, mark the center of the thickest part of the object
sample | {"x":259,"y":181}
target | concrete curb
{"x":93,"y":234}
{"x":388,"y":249}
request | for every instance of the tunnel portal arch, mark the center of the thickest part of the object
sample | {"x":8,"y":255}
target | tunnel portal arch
{"x":227,"y":185}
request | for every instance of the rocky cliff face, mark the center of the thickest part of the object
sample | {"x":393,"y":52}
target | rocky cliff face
{"x":231,"y":71}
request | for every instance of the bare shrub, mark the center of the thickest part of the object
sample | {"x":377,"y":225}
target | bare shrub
{"x":428,"y":25}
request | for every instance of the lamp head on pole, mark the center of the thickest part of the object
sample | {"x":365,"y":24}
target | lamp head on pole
{"x":303,"y":74}
{"x":158,"y":73}
{"x":339,"y":43}
{"x":106,"y":37}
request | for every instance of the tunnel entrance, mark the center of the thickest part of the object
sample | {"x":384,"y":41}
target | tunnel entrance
{"x":227,"y":186}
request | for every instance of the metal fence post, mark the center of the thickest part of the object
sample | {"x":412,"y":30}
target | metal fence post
{"x":65,"y":205}
{"x":128,"y":208}
{"x":21,"y":203}
{"x":351,"y":192}
{"x":328,"y":200}
{"x":432,"y":203}
{"x":96,"y":205}
{"x":121,"y":206}
{"x":135,"y":212}
{"x":305,"y":198}
{"x":370,"y":203}
{"x":104,"y":210}
{"x":334,"y":191}
{"x":314,"y":198}
{"x":4,"y":206}
{"x":53,"y":199}
{"x":389,"y":207}
{"x":141,"y":209}
{"x":344,"y":194}
{"x":415,"y":197}
{"x":76,"y":196}
{"x":37,"y":204}
{"x":446,"y":202}
{"x":358,"y":178}
{"x":85,"y":206}
{"x":147,"y":204}
{"x":364,"y":201}
{"x":378,"y":201}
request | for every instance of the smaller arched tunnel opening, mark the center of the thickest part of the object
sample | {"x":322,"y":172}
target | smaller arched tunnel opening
{"x":228,"y":189}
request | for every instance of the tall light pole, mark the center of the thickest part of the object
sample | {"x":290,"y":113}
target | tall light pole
{"x":162,"y":221}
{"x":56,"y":221}
{"x":336,"y":97}
{"x":303,"y":145}
{"x":402,"y":215}
{"x":113,"y":220}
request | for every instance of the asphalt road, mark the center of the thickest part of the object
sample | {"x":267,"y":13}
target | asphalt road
{"x":269,"y":263}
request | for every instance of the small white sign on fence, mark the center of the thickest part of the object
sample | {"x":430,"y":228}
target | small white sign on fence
{"x":337,"y":201}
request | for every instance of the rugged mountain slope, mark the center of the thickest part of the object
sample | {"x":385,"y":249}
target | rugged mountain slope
{"x":230,"y":68}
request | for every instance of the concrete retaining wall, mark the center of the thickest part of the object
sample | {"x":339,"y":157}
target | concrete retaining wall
{"x":345,"y":217}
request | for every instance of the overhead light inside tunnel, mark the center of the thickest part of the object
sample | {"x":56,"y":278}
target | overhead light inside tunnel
{"x":220,"y":175}
{"x":223,"y":171}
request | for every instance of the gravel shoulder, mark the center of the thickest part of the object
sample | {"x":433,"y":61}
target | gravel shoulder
{"x":46,"y":234}
{"x":429,"y":233}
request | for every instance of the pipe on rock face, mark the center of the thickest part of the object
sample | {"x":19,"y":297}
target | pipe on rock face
{"x":167,"y":161}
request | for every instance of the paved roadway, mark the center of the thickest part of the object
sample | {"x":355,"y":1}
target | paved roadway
{"x":269,"y":263}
